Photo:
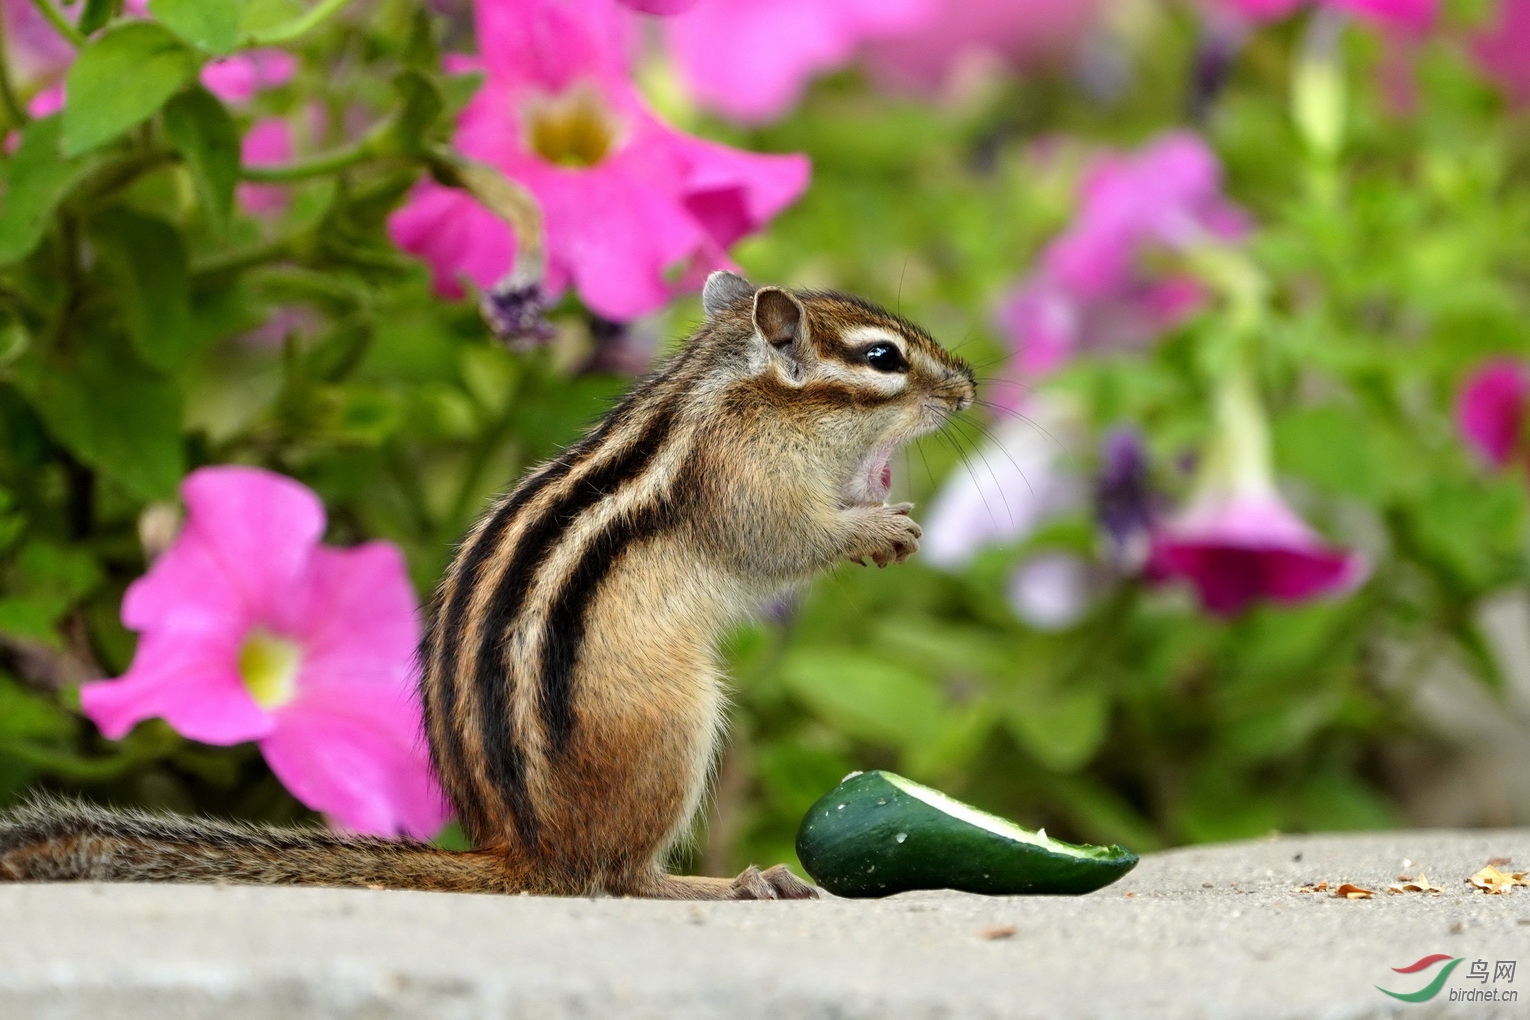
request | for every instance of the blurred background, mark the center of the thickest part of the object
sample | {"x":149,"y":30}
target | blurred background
{"x":1235,"y":543}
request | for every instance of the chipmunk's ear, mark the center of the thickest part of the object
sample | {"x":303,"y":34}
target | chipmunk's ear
{"x":779,"y":317}
{"x":782,"y":321}
{"x":724,"y":289}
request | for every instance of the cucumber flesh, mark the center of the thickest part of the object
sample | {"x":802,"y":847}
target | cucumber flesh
{"x":982,"y":819}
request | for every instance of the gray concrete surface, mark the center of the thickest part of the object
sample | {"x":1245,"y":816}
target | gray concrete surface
{"x":1202,"y":932}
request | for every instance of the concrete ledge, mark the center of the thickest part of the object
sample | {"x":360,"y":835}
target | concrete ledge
{"x":1163,"y":942}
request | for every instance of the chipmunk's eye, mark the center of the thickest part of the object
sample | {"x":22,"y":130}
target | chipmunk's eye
{"x":886,"y":358}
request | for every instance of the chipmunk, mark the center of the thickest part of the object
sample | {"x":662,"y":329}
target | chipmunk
{"x":572,"y":693}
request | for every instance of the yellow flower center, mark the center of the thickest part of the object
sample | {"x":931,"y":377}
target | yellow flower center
{"x":575,"y":129}
{"x":269,"y":666}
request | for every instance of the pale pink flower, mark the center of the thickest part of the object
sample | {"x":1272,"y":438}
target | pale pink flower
{"x":1416,"y":16}
{"x":1013,"y":485}
{"x":625,"y":198}
{"x":249,"y":629}
{"x":1051,"y":590}
{"x":1502,"y":50}
{"x":237,"y":78}
{"x":968,"y":35}
{"x":1097,"y":287}
{"x":268,"y":142}
{"x":35,"y":54}
{"x":1490,"y":410}
{"x":1237,"y":542}
{"x":751,"y":61}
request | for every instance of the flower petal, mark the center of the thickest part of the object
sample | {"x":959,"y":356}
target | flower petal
{"x":1015,"y":484}
{"x":260,"y":527}
{"x":1242,"y":549}
{"x":1230,"y":577}
{"x":237,"y":78}
{"x":367,"y":778}
{"x":357,"y":619}
{"x":1490,"y":411}
{"x":454,"y":235}
{"x":192,"y":682}
{"x":267,"y":143}
{"x":752,"y":60}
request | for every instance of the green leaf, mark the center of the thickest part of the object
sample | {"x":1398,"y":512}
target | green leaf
{"x":23,"y":714}
{"x":48,"y":580}
{"x":120,"y":80}
{"x":98,"y":13}
{"x":211,"y":25}
{"x":258,"y":18}
{"x":113,"y":413}
{"x":422,"y":107}
{"x":36,"y":179}
{"x":148,"y":261}
{"x":204,"y":134}
{"x":866,"y":697}
{"x":278,"y":21}
{"x":1061,"y":728}
{"x":1334,"y":448}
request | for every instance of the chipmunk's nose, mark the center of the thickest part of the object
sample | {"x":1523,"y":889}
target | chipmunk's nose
{"x":965,"y":387}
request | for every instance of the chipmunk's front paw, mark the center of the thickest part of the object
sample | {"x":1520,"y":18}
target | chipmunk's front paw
{"x":776,"y":883}
{"x":883,"y":534}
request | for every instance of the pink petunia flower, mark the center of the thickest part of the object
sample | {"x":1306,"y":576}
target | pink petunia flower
{"x":236,"y":79}
{"x":268,"y":142}
{"x":968,"y":35}
{"x":1096,"y":288}
{"x":751,"y":61}
{"x":249,"y":629}
{"x":1490,"y":410}
{"x":1237,"y":542}
{"x":1501,"y":50}
{"x":625,"y":198}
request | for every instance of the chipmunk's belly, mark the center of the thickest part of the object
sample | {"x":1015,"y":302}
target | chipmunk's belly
{"x":649,"y":694}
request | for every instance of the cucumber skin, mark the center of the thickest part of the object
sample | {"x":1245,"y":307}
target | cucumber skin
{"x":853,"y":851}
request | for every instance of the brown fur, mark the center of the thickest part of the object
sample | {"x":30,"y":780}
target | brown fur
{"x":573,"y":697}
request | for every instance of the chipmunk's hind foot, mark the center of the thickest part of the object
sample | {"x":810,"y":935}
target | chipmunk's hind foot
{"x":777,"y":883}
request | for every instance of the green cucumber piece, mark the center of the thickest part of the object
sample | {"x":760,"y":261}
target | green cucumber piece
{"x":877,"y":833}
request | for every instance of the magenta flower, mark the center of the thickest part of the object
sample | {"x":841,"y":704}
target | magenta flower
{"x":1237,"y":541}
{"x":1097,"y":287}
{"x":752,"y":60}
{"x":625,"y":198}
{"x":268,"y":142}
{"x":238,"y":78}
{"x":1490,"y":411}
{"x":965,"y":36}
{"x":1502,"y":52}
{"x":251,"y":630}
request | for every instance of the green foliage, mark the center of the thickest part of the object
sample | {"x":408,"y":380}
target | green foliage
{"x":100,"y":107}
{"x":205,"y":137}
{"x":131,"y":290}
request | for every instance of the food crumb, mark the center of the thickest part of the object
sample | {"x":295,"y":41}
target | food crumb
{"x":999,"y":931}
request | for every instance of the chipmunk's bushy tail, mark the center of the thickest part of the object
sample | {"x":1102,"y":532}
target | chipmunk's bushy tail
{"x":52,"y":840}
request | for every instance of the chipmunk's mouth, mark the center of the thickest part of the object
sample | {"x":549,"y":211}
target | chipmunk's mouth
{"x":872,"y":481}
